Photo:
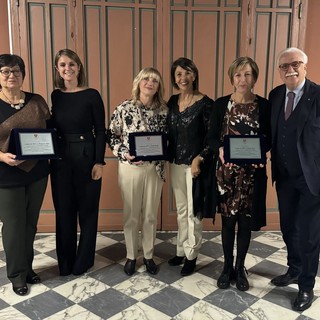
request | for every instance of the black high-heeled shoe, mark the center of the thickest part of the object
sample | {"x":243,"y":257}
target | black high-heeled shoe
{"x":21,"y":290}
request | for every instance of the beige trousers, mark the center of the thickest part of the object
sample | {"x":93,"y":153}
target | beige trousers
{"x":189,"y":237}
{"x":141,"y":191}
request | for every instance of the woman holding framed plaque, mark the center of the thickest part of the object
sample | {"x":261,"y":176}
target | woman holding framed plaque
{"x":134,"y":123}
{"x":242,"y":183}
{"x":22,"y":182}
{"x":79,"y":117}
{"x":188,"y":123}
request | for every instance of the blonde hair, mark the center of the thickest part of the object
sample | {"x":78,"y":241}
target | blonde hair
{"x":158,"y":100}
{"x":239,"y":64}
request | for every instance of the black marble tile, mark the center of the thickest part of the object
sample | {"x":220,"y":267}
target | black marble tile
{"x":111,"y":275}
{"x":43,"y":305}
{"x":113,"y":252}
{"x":231,"y":300}
{"x":107,"y":303}
{"x":170,"y":301}
{"x":211,"y":249}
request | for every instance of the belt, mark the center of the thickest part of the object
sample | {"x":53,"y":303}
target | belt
{"x":76,"y":137}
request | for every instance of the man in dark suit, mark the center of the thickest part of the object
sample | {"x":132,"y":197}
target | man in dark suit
{"x":295,"y":156}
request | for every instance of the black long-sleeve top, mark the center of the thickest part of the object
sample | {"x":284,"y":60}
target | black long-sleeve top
{"x":80,"y":112}
{"x":187,"y":130}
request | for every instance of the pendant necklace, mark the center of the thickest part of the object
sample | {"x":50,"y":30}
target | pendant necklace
{"x":17,"y":106}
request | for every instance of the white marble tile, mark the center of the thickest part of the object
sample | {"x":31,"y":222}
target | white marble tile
{"x":7,"y":294}
{"x":140,"y":286}
{"x":314,"y":311}
{"x":42,"y":261}
{"x":252,"y":260}
{"x":259,"y":286}
{"x":74,"y":312}
{"x":140,"y":311}
{"x":271,"y":239}
{"x":264,"y":310}
{"x":45,"y":244}
{"x":198,"y":285}
{"x":204,"y":311}
{"x":279,"y":257}
{"x":11,"y":313}
{"x":103,"y":241}
{"x":81,"y":288}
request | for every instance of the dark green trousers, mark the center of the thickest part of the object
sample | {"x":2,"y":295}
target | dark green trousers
{"x":19,"y":213}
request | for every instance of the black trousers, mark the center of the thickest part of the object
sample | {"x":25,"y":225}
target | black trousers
{"x":76,"y":200}
{"x":19,"y":213}
{"x":300,"y":225}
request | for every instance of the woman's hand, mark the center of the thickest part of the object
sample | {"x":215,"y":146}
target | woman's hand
{"x":97,"y":171}
{"x":10,"y":159}
{"x":195,"y":166}
{"x":130,"y":158}
{"x":221,"y":156}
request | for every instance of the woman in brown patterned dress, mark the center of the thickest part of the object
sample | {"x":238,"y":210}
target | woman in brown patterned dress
{"x":241,"y":188}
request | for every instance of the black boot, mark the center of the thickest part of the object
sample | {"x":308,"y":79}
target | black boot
{"x":227,"y":275}
{"x":242,"y":283}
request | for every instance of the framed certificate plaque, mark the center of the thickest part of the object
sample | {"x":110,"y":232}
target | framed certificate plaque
{"x":29,"y":144}
{"x":148,"y":146}
{"x":245,"y":149}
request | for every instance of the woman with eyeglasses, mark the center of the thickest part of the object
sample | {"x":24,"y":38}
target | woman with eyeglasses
{"x":22,"y":183}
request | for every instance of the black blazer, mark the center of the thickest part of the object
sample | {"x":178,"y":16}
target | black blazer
{"x":260,"y":180}
{"x":308,"y":132}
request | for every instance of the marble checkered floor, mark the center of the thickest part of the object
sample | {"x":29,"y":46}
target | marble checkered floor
{"x":106,"y":292}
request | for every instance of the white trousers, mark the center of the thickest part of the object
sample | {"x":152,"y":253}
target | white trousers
{"x":189,"y":237}
{"x":141,"y":191}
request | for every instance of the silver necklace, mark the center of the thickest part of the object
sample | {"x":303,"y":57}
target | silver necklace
{"x":16,"y":106}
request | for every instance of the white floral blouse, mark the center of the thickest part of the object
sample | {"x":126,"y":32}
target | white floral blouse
{"x":128,"y":118}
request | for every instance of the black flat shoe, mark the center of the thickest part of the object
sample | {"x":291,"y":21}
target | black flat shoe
{"x":284,"y":280}
{"x":188,"y":267}
{"x":303,"y":300}
{"x":34,"y":279}
{"x":151,"y":267}
{"x":130,"y":267}
{"x":175,"y":261}
{"x":20,"y":291}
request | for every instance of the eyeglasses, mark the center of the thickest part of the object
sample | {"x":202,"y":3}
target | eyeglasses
{"x":7,"y":72}
{"x":295,"y":65}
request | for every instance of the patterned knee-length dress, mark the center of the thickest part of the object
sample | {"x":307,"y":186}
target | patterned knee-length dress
{"x":235,"y":184}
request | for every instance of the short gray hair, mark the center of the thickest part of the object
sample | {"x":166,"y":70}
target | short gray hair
{"x":304,"y":57}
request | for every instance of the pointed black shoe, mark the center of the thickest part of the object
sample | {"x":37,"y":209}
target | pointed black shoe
{"x":175,"y":261}
{"x":188,"y":267}
{"x":20,"y":290}
{"x":284,"y":280}
{"x":130,"y":267}
{"x":303,"y":300}
{"x":151,"y":267}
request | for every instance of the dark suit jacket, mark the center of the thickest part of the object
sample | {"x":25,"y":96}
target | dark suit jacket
{"x":308,"y":132}
{"x":260,"y":180}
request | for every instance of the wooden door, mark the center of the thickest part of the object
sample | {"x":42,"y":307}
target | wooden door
{"x":116,"y":38}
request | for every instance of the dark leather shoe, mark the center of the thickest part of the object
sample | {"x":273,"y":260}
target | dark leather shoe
{"x":130,"y":267}
{"x":303,"y":300}
{"x":188,"y":267}
{"x":151,"y":267}
{"x":284,"y":280}
{"x":21,"y":290}
{"x":226,"y":277}
{"x":33,"y":278}
{"x":242,"y":283}
{"x":175,"y":261}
